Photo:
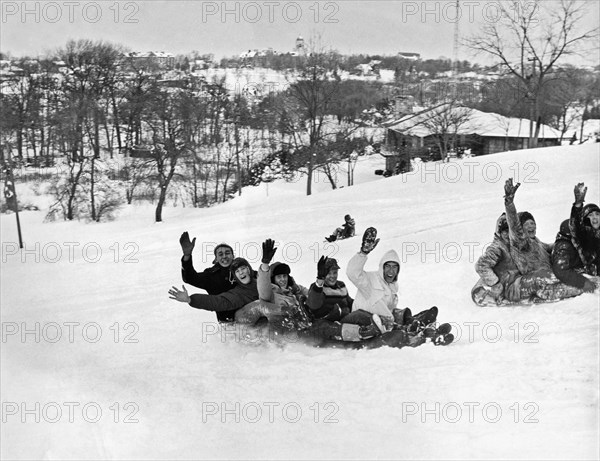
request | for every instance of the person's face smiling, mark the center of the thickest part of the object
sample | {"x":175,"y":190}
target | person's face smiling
{"x":224,"y":256}
{"x":390,"y":271}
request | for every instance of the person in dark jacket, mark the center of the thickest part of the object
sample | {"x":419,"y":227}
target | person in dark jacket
{"x":215,"y":279}
{"x":328,"y":297}
{"x":281,"y":303}
{"x":584,"y":224}
{"x":566,"y":262}
{"x":280,"y":297}
{"x":345,"y":231}
{"x":244,"y":291}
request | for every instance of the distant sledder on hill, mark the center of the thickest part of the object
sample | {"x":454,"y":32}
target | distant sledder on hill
{"x":517,"y":268}
{"x":324,"y":315}
{"x":345,"y":231}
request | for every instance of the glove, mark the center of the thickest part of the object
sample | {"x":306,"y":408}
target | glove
{"x":589,"y":286}
{"x":580,"y":191}
{"x":186,"y":245}
{"x":509,"y":191}
{"x":369,"y":242}
{"x":322,"y":268}
{"x":268,"y":248}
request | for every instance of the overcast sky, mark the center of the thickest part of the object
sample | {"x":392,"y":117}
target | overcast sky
{"x":229,"y":28}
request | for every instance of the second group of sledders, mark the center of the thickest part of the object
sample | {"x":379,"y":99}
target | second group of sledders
{"x":517,"y":268}
{"x":324,"y":315}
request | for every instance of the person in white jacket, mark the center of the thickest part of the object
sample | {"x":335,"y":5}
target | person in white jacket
{"x":377,"y":290}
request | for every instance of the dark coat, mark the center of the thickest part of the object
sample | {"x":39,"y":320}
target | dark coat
{"x":322,"y":300}
{"x":348,"y":229}
{"x":586,"y":240}
{"x":215,"y":280}
{"x":231,"y":300}
{"x":566,"y":263}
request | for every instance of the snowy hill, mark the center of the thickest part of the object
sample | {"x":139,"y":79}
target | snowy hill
{"x":112,"y":369}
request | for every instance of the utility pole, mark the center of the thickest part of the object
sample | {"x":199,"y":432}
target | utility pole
{"x":530,"y":94}
{"x":455,"y":43}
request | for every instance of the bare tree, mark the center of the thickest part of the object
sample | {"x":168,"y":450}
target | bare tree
{"x":529,"y":39}
{"x":444,"y":123}
{"x":138,"y":91}
{"x":21,"y":105}
{"x":91,"y":70}
{"x":134,"y":173}
{"x":68,"y":190}
{"x":588,"y":94}
{"x":504,"y":123}
{"x":564,"y":96}
{"x":169,"y":117}
{"x":310,"y":100}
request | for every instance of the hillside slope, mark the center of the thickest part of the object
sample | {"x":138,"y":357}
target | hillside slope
{"x":87,"y":325}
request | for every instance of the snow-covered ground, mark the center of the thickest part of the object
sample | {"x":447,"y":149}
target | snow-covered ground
{"x":257,"y":79}
{"x":264,"y":80}
{"x":98,"y":363}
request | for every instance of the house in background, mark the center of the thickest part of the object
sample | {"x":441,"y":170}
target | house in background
{"x":152,"y":58}
{"x":300,"y":47}
{"x":481,"y":133}
{"x":409,"y":56}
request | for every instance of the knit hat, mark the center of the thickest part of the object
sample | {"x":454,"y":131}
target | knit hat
{"x":525,"y":216}
{"x":235,"y":265}
{"x":280,"y":269}
{"x":564,"y":231}
{"x":589,"y":209}
{"x":347,"y":217}
{"x":330,"y":264}
{"x":221,"y":245}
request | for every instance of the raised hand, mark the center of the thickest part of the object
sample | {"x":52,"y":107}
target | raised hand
{"x":268,"y":250}
{"x":580,"y":191}
{"x":369,"y":240}
{"x":322,"y":268}
{"x":510,"y":190}
{"x":181,"y":296}
{"x":185,"y":243}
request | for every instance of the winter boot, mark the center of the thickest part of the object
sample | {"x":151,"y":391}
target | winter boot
{"x":376,"y":328}
{"x":443,"y":340}
{"x":422,"y":320}
{"x":427,"y":317}
{"x":402,"y":317}
{"x":432,"y":332}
